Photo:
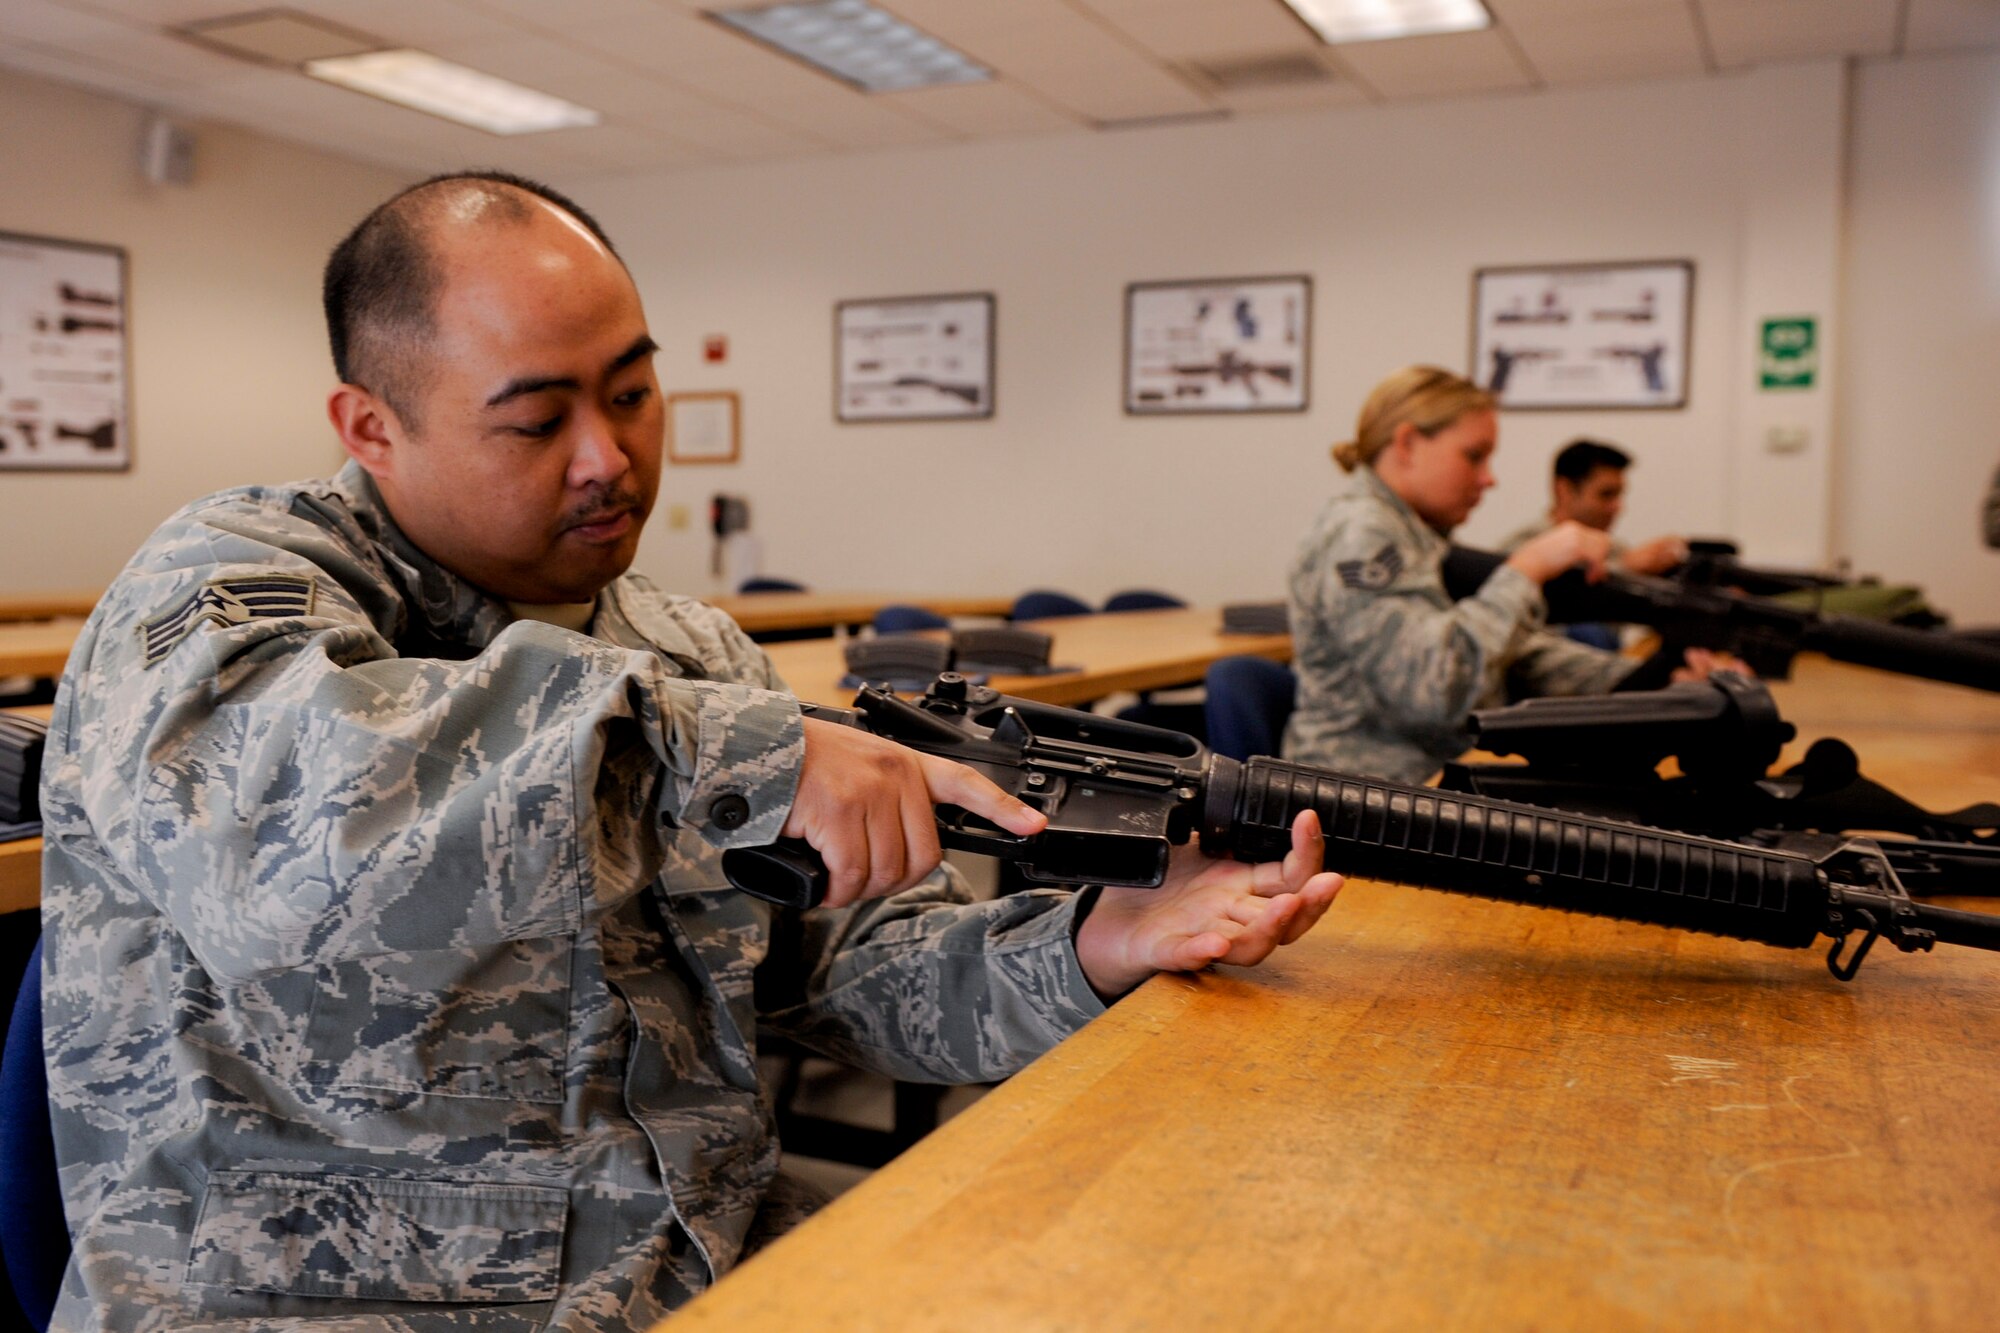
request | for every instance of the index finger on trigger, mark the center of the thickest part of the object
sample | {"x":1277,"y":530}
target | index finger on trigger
{"x":959,"y":785}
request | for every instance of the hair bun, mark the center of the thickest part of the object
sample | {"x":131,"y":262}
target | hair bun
{"x":1348,"y":454}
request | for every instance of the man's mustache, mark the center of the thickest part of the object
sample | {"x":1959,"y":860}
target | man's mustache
{"x":602,"y":508}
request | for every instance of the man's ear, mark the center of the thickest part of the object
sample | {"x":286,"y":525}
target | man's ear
{"x":1565,"y":494}
{"x":368,"y":428}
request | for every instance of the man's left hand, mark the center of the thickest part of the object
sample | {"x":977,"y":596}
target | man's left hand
{"x":1207,"y":911}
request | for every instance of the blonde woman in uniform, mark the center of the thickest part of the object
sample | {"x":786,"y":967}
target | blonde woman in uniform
{"x":1388,"y":664}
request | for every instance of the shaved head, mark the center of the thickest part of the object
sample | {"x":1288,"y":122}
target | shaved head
{"x":383,"y":281}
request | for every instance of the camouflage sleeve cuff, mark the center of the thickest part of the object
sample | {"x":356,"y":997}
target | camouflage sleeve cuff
{"x":748,"y":745}
{"x":1509,"y":590}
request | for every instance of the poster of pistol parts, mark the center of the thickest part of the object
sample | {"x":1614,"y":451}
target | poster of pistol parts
{"x":1218,"y":345}
{"x":62,"y":355}
{"x":1584,"y":335}
{"x":919,"y":358}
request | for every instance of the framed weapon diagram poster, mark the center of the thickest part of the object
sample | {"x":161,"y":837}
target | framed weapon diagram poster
{"x":1584,"y":335}
{"x":63,"y":371}
{"x":1217,"y":345}
{"x":913,"y":358}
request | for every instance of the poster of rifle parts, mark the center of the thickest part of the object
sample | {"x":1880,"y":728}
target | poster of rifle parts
{"x":914,"y":358}
{"x":1584,"y":335}
{"x":62,"y":355}
{"x":1218,"y":345}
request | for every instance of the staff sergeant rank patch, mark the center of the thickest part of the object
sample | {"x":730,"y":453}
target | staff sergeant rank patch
{"x":228,"y":602}
{"x":1372,"y":575}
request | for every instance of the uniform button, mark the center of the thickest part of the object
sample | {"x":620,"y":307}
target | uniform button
{"x":728,"y":812}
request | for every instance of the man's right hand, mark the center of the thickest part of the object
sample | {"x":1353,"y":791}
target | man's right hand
{"x":865,"y":805}
{"x":1562,"y":548}
{"x":1656,"y":556}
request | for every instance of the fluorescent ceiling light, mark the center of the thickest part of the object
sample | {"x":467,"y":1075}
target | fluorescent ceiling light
{"x":423,"y":82}
{"x":1373,"y":20}
{"x":856,"y":43}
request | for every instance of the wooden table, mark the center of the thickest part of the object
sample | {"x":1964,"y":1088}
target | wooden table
{"x":37,"y":647}
{"x":56,"y":605}
{"x":1441,"y":1112}
{"x":1128,"y":651}
{"x":763,"y":612}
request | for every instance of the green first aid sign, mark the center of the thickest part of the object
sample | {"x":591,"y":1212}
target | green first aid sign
{"x":1788,"y":354}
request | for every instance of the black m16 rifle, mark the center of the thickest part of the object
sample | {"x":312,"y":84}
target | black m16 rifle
{"x":1765,"y":634}
{"x":1600,"y":755}
{"x":1119,"y":795}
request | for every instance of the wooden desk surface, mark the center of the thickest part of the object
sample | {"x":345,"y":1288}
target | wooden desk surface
{"x":37,"y":647}
{"x":1132,"y":650}
{"x":53,"y":605}
{"x":1442,"y":1112}
{"x":759,"y":612}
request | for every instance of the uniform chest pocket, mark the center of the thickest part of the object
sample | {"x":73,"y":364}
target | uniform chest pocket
{"x":476,"y":1022}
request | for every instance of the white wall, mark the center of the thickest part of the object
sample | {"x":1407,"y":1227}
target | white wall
{"x":229,"y":361}
{"x":1389,"y":209}
{"x":1921,"y":404}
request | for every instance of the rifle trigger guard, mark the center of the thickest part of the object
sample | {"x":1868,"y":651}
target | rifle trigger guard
{"x":1845,"y":971}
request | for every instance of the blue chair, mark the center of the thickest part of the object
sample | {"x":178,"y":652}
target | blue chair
{"x":34,"y":1238}
{"x":1042,"y":604}
{"x":1249,"y":701}
{"x":770,"y":585}
{"x":900,"y":618}
{"x":1595,"y":634}
{"x":1141,"y":599}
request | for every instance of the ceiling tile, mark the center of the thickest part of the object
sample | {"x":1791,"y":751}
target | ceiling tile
{"x":401,"y":22}
{"x":731,"y":135}
{"x":1948,"y":25}
{"x":111,"y":80}
{"x":977,"y":110}
{"x":1179,"y":30}
{"x":1629,"y":39}
{"x":1749,"y":32}
{"x":1447,"y":65}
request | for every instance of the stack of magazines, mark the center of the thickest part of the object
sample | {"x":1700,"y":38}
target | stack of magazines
{"x":1256,"y":618}
{"x":21,"y":742}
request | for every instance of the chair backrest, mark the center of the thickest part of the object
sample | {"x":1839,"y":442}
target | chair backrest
{"x":34,"y":1239}
{"x":770,"y":585}
{"x":1141,"y":599}
{"x":1042,"y":604}
{"x":899,"y":618}
{"x":1249,"y":701}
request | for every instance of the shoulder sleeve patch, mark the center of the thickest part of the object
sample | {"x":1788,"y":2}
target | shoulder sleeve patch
{"x":1373,"y":574}
{"x":227,"y":602}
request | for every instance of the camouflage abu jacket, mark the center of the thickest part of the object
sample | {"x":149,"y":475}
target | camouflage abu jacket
{"x":1388,"y":665}
{"x":392,"y":981}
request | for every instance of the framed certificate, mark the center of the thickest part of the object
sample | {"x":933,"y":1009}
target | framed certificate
{"x":64,"y":373}
{"x":1218,"y":345}
{"x":704,"y":427}
{"x":1584,"y":335}
{"x":913,"y":358}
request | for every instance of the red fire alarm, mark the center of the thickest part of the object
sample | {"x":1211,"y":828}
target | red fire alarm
{"x":715,"y":347}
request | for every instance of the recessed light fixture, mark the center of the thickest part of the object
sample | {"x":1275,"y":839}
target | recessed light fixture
{"x":423,"y":82}
{"x":1374,"y":20}
{"x":855,"y":42}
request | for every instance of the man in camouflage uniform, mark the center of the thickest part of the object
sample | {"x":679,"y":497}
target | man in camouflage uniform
{"x":392,"y":981}
{"x":1388,"y":664}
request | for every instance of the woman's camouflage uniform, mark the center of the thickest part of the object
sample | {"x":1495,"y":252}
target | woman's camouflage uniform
{"x":392,"y":981}
{"x":1389,"y":665}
